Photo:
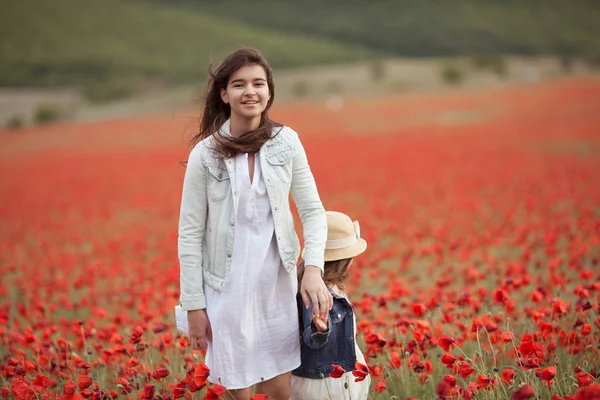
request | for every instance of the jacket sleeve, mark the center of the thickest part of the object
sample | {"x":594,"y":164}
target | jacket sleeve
{"x":192,"y":227}
{"x":310,"y":334}
{"x":305,"y":195}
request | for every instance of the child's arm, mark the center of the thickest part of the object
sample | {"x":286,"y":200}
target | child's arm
{"x":311,"y":335}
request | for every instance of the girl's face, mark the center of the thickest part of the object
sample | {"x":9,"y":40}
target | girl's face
{"x":247,"y":93}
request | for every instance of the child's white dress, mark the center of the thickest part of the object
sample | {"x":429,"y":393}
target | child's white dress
{"x":333,"y":388}
{"x":254,"y":318}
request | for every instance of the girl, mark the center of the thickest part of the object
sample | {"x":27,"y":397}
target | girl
{"x":332,"y":339}
{"x":237,"y":244}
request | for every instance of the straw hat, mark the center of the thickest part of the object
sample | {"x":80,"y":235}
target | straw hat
{"x":343,"y":237}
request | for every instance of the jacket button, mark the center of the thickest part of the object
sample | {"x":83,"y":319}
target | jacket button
{"x":228,"y":254}
{"x":232,"y":222}
{"x":275,"y":208}
{"x":350,"y":339}
{"x":339,"y":315}
{"x":220,"y":176}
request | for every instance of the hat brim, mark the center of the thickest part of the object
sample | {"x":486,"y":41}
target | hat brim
{"x":347,"y":252}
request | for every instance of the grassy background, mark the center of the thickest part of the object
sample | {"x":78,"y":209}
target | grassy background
{"x":115,"y":48}
{"x":430,"y":27}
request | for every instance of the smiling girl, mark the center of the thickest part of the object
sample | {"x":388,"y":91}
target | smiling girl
{"x":237,"y":245}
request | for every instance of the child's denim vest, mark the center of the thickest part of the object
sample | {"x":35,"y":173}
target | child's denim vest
{"x":320,"y":350}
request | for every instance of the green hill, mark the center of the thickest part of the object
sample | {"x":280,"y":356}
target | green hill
{"x":429,"y":27}
{"x":111,"y":47}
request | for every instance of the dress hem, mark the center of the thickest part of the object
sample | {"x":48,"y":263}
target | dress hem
{"x":262,"y":379}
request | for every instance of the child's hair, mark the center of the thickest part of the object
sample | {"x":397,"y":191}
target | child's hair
{"x":216,"y":112}
{"x":336,"y":272}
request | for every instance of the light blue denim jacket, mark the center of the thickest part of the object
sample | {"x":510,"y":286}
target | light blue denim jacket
{"x":207,"y":216}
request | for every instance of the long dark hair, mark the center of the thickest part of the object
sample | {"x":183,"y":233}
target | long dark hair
{"x":216,"y":112}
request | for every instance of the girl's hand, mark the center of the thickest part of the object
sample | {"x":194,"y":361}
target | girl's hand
{"x":313,"y":288}
{"x":199,"y":328}
{"x":321,"y":323}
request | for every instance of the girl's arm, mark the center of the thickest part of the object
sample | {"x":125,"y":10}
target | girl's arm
{"x":314,"y":223}
{"x":305,"y":195}
{"x":311,"y":336}
{"x":192,"y":227}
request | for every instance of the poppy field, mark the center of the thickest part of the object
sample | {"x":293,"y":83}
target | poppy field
{"x":481,"y":279}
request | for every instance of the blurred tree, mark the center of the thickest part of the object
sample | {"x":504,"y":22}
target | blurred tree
{"x":451,"y":73}
{"x":377,"y":69}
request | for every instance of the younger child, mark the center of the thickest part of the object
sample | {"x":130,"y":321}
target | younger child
{"x":331,"y":340}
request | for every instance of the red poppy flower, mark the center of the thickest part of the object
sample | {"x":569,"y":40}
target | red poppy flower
{"x":215,"y":392}
{"x":132,"y":362}
{"x":446,"y":342}
{"x":419,"y":309}
{"x":507,"y":337}
{"x":380,"y":386}
{"x":508,"y":375}
{"x":160,"y":373}
{"x":546,"y":374}
{"x":591,"y":392}
{"x":501,"y":296}
{"x":448,"y":359}
{"x":21,"y":390}
{"x":42,"y":382}
{"x":360,"y":372}
{"x":450,"y":380}
{"x":179,"y":391}
{"x":524,"y":392}
{"x":395,"y":360}
{"x":148,"y":393}
{"x":584,"y":379}
{"x":377,"y":338}
{"x":337,"y":371}
{"x":559,"y":307}
{"x":465,"y":369}
{"x":476,"y":325}
{"x":136,"y":335}
{"x":484,"y":381}
{"x":83,"y":382}
{"x":201,"y":374}
{"x":70,"y":392}
{"x":122,"y":381}
{"x":586,"y":329}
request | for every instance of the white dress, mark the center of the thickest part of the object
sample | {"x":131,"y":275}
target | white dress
{"x":254,"y":318}
{"x":333,"y":388}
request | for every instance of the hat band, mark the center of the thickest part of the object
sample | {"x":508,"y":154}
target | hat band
{"x":340,"y":243}
{"x":335,"y":244}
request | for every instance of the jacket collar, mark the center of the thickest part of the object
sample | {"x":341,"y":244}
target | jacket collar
{"x":225,"y":129}
{"x":335,"y":295}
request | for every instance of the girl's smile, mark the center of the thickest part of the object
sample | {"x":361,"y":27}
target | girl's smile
{"x":247,"y":93}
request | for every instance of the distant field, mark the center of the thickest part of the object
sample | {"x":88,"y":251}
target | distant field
{"x":325,"y":86}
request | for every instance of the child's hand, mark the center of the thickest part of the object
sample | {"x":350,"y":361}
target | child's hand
{"x":321,"y":323}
